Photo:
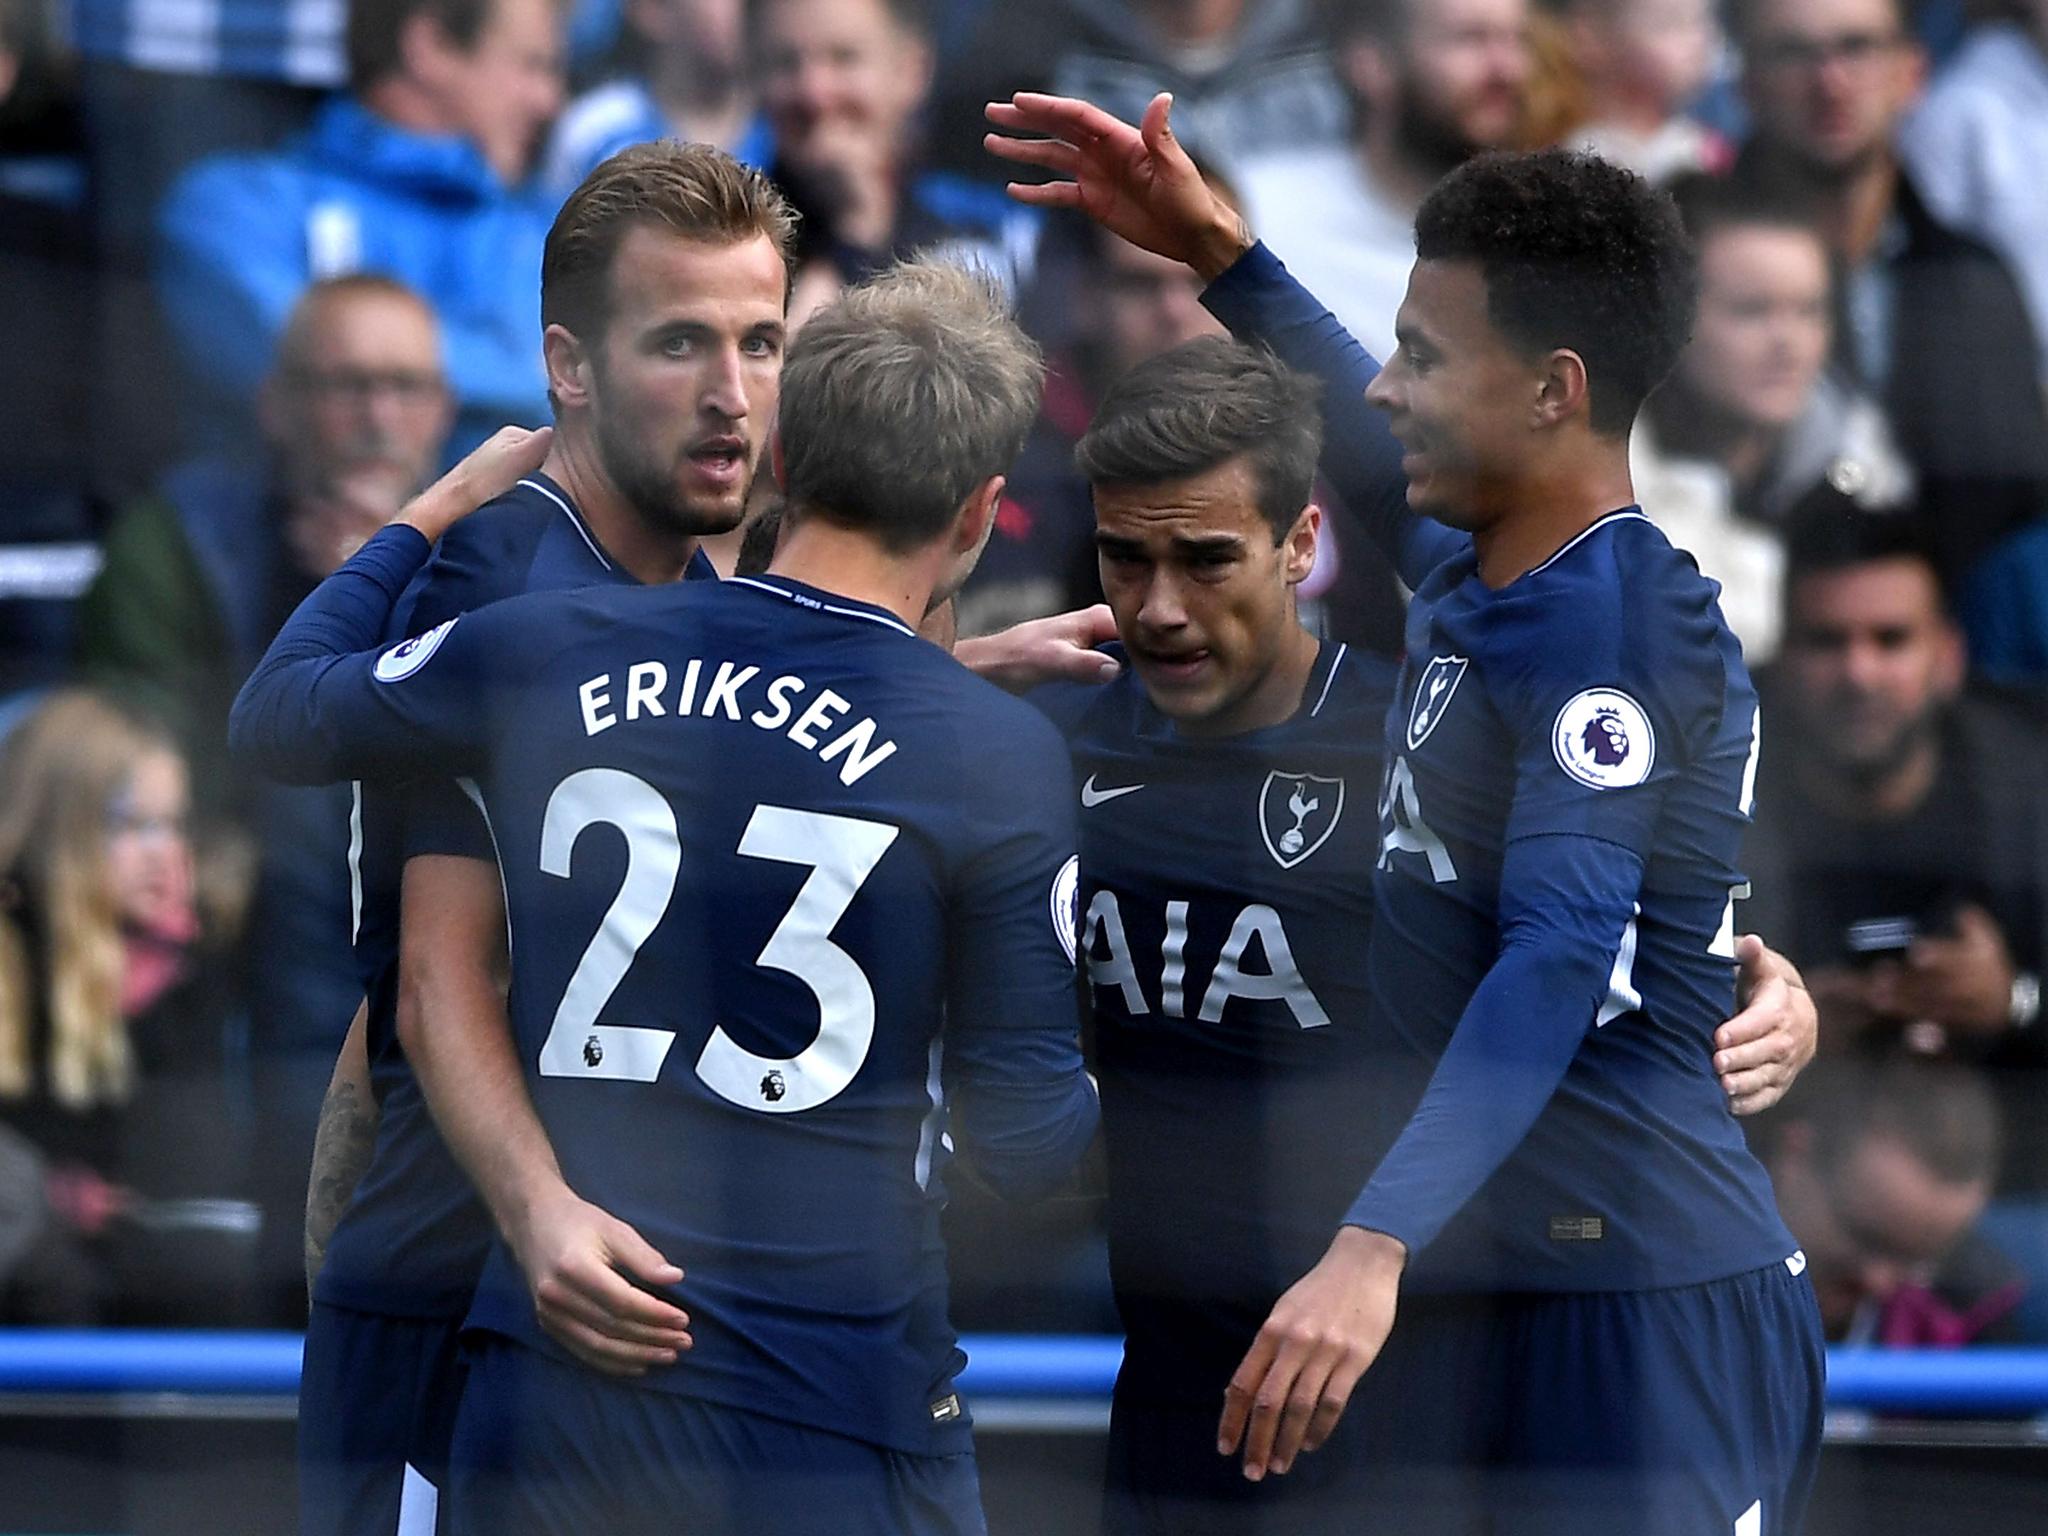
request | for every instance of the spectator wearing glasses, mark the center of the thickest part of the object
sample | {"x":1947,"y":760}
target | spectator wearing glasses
{"x":199,"y":576}
{"x":1932,"y":323}
{"x":683,"y":75}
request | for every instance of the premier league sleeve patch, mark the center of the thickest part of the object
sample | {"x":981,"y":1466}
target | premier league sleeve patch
{"x":407,"y":657}
{"x":1603,"y":739}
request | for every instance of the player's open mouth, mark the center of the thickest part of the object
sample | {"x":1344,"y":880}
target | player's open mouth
{"x":1176,"y":668}
{"x":722,"y":459}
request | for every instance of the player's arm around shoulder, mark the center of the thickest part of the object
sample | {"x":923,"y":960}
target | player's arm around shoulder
{"x":321,"y":705}
{"x":1025,"y":1109}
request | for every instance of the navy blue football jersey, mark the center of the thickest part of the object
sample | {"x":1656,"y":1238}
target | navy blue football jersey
{"x":1225,"y":892}
{"x":757,"y":842}
{"x":1570,"y":765}
{"x":413,"y":1238}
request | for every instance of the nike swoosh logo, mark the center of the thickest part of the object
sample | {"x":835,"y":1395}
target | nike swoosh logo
{"x":1092,"y":797}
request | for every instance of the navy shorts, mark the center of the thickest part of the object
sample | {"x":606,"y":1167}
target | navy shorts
{"x":377,"y":1401}
{"x":545,"y":1448}
{"x":1694,"y":1411}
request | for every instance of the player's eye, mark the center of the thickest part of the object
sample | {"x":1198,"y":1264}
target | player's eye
{"x":761,"y":346}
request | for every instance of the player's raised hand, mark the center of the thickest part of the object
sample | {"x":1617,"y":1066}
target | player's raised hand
{"x":1323,"y":1335}
{"x":581,"y":1265}
{"x":489,"y":470}
{"x":1135,"y":182}
{"x":1059,"y":649}
{"x":1763,"y":1048}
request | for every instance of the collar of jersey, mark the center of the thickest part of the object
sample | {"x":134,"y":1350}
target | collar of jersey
{"x":699,"y":567}
{"x":802,"y":595}
{"x":1464,"y":569}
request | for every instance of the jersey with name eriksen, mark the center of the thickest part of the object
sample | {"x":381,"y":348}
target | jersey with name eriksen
{"x":1593,"y":714}
{"x":758,"y":844}
{"x":412,"y":1241}
{"x":1225,"y":894}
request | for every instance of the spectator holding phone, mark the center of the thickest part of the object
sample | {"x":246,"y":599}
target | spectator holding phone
{"x":1901,"y":841}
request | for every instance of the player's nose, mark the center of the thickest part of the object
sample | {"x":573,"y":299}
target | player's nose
{"x":725,"y":390}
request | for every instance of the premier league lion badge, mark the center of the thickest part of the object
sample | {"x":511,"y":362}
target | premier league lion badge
{"x":1297,"y":814}
{"x":1603,"y":739}
{"x":407,"y":657}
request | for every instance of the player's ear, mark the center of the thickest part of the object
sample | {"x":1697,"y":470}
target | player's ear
{"x":978,"y":516}
{"x":1298,"y":548}
{"x":1561,"y":389}
{"x":568,"y":366}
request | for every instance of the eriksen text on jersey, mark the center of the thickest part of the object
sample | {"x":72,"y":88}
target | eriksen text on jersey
{"x":757,"y":842}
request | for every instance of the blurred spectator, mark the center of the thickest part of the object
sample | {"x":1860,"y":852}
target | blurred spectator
{"x":842,"y":83}
{"x":110,"y":1033}
{"x":1248,"y":77}
{"x":198,"y":578}
{"x":1978,"y":146}
{"x":685,"y":77}
{"x":413,"y":175}
{"x":1752,"y":418}
{"x":1433,"y":82}
{"x":1642,"y":63}
{"x":200,"y":574}
{"x":1882,"y":1170}
{"x":161,"y":86}
{"x":1934,"y":326}
{"x":1901,"y":837}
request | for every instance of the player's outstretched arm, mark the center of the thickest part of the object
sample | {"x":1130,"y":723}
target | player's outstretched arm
{"x":316,"y":710}
{"x":342,"y":1143}
{"x":584,"y":1268}
{"x":1759,"y":1052}
{"x":1136,"y":182}
{"x":1058,"y":649}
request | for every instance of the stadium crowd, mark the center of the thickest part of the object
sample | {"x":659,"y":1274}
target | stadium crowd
{"x":265,"y":269}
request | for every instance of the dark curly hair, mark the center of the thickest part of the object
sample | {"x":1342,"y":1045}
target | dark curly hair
{"x":1576,"y":253}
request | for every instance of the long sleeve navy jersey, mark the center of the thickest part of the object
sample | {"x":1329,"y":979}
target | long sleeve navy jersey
{"x":762,"y":847}
{"x":1570,"y":764}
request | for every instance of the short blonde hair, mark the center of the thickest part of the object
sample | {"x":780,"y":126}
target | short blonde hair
{"x":903,"y":395}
